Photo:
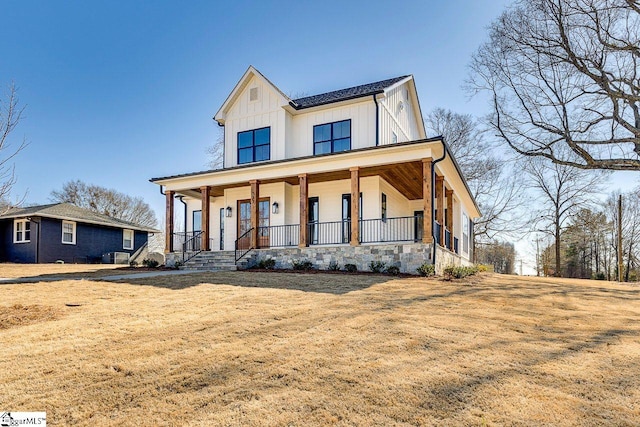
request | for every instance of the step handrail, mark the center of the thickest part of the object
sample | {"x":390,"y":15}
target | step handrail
{"x":243,"y":251}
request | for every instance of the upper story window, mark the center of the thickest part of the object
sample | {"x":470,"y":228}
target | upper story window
{"x":127,"y":239}
{"x":332,"y":137}
{"x":21,"y":231}
{"x":69,"y":232}
{"x":254,"y":145}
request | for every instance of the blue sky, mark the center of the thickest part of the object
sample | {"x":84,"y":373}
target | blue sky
{"x":118,"y":92}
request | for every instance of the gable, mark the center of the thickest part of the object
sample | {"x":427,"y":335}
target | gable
{"x":252,"y":93}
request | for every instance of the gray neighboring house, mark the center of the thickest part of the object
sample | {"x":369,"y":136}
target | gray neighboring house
{"x":65,"y":232}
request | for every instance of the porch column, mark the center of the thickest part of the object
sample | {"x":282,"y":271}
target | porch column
{"x":427,"y":200}
{"x":168,"y":227}
{"x":440,"y":205}
{"x":355,"y":206}
{"x":304,"y":214}
{"x":204,"y":240}
{"x":255,"y":211}
{"x":449,"y":194}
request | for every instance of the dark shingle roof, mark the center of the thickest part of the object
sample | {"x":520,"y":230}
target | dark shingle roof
{"x":344,"y":94}
{"x":73,"y":213}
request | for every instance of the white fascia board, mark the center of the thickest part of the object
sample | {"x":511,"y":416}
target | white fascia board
{"x":384,"y":155}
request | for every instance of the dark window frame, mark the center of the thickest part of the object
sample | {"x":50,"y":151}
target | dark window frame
{"x":383,"y":208}
{"x":253,"y":145}
{"x":196,"y":225}
{"x":332,"y":139}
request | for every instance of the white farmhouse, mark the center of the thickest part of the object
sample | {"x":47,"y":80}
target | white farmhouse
{"x":344,"y":177}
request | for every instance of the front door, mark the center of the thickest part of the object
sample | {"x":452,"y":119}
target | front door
{"x":244,"y":223}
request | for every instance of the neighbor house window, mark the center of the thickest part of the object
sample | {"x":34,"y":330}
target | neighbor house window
{"x":254,"y":145}
{"x":21,"y":231}
{"x":127,"y":239}
{"x":69,"y":232}
{"x":332,"y":137}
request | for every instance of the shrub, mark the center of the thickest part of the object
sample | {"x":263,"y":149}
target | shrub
{"x":351,"y":268}
{"x":459,"y":271}
{"x":302,"y":264}
{"x":393,"y":270}
{"x":426,"y":270}
{"x":267,"y":263}
{"x":133,"y":263}
{"x":150,"y":263}
{"x":334,"y":266}
{"x":482,"y":268}
{"x":177,"y":265}
{"x":599,"y":276}
{"x":377,"y":266}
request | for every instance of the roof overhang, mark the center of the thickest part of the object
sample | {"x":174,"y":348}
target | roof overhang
{"x":398,"y":163}
{"x":73,"y":219}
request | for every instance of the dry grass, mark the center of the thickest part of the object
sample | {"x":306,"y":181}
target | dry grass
{"x":10,"y":270}
{"x":289,"y":349}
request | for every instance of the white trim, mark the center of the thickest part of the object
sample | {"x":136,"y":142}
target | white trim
{"x":133,"y":234}
{"x":24,"y":223}
{"x":73,"y":233}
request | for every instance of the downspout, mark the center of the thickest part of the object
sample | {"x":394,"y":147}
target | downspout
{"x":433,"y":196}
{"x":184,"y":249}
{"x":224,"y":142}
{"x":377,"y":120}
{"x":162,"y":192}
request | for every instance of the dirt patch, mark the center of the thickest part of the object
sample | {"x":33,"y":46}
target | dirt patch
{"x":21,"y":315}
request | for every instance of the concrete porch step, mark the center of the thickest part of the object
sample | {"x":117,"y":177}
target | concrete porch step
{"x":212,"y":261}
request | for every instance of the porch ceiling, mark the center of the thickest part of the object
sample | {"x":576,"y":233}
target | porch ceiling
{"x":404,"y":177}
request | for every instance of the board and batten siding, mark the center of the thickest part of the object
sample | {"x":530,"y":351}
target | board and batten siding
{"x":245,"y":115}
{"x":401,"y":120}
{"x":363,"y":126}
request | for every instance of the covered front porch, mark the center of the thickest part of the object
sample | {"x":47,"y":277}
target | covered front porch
{"x":390,"y":197}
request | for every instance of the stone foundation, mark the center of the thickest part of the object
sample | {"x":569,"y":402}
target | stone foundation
{"x":445,"y":258}
{"x":407,"y":257}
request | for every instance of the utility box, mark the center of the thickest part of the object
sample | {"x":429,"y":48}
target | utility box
{"x":115,"y":258}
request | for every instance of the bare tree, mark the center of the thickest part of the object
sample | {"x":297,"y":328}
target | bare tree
{"x":107,"y":202}
{"x":216,"y":151}
{"x":493,"y":183}
{"x":10,"y":115}
{"x":563,"y":76}
{"x":630,"y":230}
{"x":563,"y":191}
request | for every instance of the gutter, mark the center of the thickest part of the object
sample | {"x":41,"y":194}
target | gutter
{"x":433,"y":196}
{"x":377,"y":120}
